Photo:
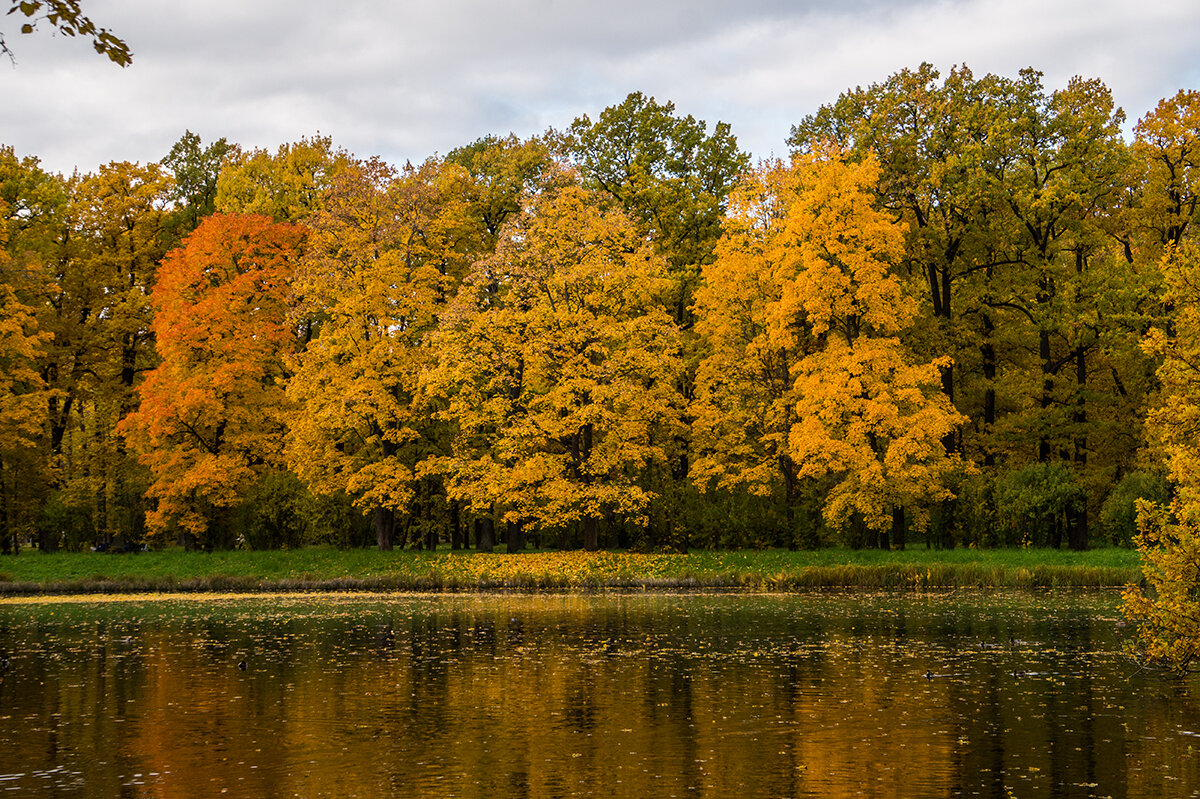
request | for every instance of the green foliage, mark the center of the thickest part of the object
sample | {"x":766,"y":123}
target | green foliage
{"x":668,"y":173}
{"x":1033,"y":503}
{"x":196,"y":170}
{"x":1118,"y":514}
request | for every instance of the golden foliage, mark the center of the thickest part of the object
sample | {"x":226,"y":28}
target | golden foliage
{"x":558,"y":366}
{"x":386,"y":248}
{"x":1168,"y":616}
{"x":806,"y":373}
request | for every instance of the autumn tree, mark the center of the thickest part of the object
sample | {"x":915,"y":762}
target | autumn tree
{"x":745,"y":400}
{"x":287,"y":186}
{"x":1006,"y":190}
{"x":212,"y":414}
{"x":557,"y":366}
{"x":1167,"y":149}
{"x":386,"y":250}
{"x":23,"y":399}
{"x":1167,"y":613}
{"x":502,"y":171}
{"x":669,"y":174}
{"x":100,"y":270}
{"x":196,"y":170}
{"x":867,"y":413}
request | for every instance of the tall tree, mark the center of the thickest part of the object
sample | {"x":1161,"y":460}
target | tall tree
{"x":287,"y":186}
{"x":502,"y":171}
{"x":670,"y":175}
{"x":23,"y":399}
{"x":558,"y":368}
{"x":752,"y":340}
{"x":196,"y":170}
{"x":212,"y":414}
{"x":868,"y":413}
{"x":113,"y":236}
{"x":1167,"y":615}
{"x":386,"y":250}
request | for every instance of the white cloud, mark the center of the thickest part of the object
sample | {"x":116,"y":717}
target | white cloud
{"x":406,"y":79}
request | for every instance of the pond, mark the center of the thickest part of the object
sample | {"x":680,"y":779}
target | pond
{"x":835,"y":695}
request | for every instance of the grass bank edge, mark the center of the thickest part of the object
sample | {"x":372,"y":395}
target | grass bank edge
{"x":365,"y":570}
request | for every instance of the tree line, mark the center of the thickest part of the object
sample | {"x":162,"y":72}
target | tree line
{"x":958,"y":313}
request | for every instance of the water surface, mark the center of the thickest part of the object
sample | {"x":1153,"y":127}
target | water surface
{"x":962,"y":694}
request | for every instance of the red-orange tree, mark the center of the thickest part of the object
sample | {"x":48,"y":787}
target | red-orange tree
{"x":212,"y":414}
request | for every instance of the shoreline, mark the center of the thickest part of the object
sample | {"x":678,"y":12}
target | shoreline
{"x":892,"y":577}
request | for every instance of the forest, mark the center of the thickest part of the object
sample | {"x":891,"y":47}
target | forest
{"x":964,"y":312}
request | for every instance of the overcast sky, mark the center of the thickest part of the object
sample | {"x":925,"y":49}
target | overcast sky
{"x":405,"y":80}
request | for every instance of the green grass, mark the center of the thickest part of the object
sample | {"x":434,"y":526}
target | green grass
{"x":777,"y":570}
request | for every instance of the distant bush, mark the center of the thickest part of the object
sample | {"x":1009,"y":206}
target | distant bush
{"x":1032,"y":504}
{"x":1118,"y":516}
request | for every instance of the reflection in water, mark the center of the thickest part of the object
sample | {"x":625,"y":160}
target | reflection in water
{"x":563,"y":696}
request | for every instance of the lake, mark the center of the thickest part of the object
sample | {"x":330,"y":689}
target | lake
{"x":1005,"y":694}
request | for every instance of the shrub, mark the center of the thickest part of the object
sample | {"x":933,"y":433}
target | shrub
{"x":1118,"y":514}
{"x":1032,"y":504}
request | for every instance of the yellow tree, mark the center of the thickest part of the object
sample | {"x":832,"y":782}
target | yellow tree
{"x":287,"y":186}
{"x":110,"y":241}
{"x":1168,"y":615}
{"x":557,"y":364}
{"x":867,"y":416}
{"x":386,"y":249}
{"x":745,"y":396}
{"x":1167,"y":148}
{"x":23,"y":398}
{"x":211,"y":417}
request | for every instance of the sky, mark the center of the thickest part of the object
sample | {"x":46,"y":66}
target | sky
{"x":405,"y":80}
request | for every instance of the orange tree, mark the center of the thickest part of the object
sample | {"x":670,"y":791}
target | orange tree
{"x":212,"y":414}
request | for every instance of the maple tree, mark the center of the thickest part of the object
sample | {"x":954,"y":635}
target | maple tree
{"x":1168,"y":615}
{"x":866,"y":413}
{"x":745,"y":397}
{"x":556,"y":365}
{"x":212,"y":414}
{"x":385,"y":250}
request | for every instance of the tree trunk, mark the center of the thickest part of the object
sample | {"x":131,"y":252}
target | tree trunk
{"x":8,"y":538}
{"x":514,"y":537}
{"x":1077,"y":534}
{"x":1047,"y":393}
{"x":789,"y":500}
{"x":385,"y":524}
{"x":456,"y":532}
{"x":899,"y":527}
{"x":591,"y":533}
{"x":485,"y":534}
{"x":988,"y":353}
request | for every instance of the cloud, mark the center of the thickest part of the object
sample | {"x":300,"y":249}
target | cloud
{"x":407,"y":79}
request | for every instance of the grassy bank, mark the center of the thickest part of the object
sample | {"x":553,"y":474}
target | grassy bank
{"x":770,"y":570}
